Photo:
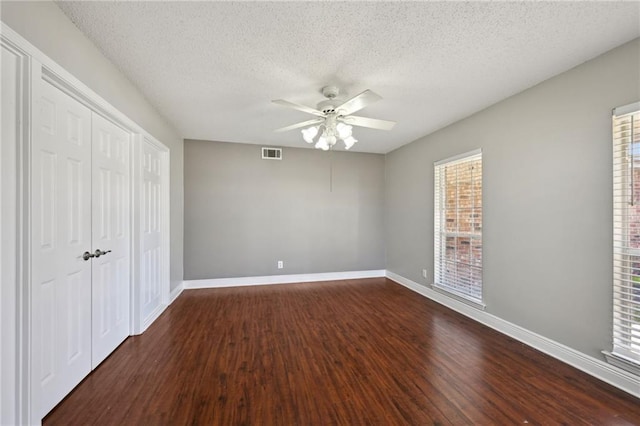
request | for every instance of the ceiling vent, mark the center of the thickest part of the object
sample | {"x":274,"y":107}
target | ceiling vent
{"x":271,"y":153}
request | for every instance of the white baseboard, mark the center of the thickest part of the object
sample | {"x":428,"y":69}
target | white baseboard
{"x":593,"y":366}
{"x":176,"y":292}
{"x":281,"y":279}
{"x":152,"y":317}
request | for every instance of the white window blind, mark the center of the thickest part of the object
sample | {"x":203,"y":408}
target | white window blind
{"x":626,"y":233}
{"x":458,"y":226}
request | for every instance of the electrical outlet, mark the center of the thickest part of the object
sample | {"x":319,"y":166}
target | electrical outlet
{"x":424,"y":273}
{"x":280,"y":264}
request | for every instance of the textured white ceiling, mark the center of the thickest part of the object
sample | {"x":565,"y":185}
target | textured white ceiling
{"x":212,"y":68}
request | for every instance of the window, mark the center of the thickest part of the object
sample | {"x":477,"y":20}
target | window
{"x":458,"y":226}
{"x":626,"y":233}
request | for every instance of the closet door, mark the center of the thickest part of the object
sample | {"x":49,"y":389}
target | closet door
{"x":151,"y":236}
{"x":80,"y":203}
{"x":111,"y":234}
{"x":60,"y":234}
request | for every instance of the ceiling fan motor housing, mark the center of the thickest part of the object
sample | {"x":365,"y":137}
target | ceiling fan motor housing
{"x":328,"y":106}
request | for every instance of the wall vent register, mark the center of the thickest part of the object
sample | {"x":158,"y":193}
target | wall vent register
{"x":271,"y":153}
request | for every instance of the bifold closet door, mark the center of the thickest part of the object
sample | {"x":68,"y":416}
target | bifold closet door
{"x":80,"y":203}
{"x":60,"y":234}
{"x":111,"y":234}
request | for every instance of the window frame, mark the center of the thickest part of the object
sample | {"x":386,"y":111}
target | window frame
{"x":441,"y":233}
{"x":624,"y":353}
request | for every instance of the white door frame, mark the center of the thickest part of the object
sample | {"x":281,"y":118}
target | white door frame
{"x":38,"y":66}
{"x":15,"y":296}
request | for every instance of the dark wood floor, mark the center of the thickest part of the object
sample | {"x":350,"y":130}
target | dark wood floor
{"x":345,"y":352}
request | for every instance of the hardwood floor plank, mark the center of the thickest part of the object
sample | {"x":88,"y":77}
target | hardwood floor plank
{"x":356,"y":352}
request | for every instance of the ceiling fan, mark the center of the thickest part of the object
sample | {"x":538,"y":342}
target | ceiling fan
{"x":335,"y":121}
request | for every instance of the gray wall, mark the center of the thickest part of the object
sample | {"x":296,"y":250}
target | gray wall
{"x":243,"y":214}
{"x":45,"y":26}
{"x":547,"y":160}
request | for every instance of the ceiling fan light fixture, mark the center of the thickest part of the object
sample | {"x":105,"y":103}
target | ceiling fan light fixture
{"x":335,"y":121}
{"x":330,"y":135}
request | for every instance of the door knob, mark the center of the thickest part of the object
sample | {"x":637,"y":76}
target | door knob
{"x":100,"y":252}
{"x":87,"y":255}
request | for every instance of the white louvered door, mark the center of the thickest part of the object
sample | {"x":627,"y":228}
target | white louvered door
{"x":60,"y":234}
{"x":80,"y":203}
{"x":110,"y":231}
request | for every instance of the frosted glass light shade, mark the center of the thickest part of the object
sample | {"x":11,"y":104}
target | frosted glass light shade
{"x":309,"y":133}
{"x":344,"y":130}
{"x":349,"y":142}
{"x":322,"y":144}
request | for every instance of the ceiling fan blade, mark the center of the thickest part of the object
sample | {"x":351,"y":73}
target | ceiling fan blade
{"x":303,"y":124}
{"x":299,"y":107}
{"x":358,"y":102}
{"x":372,"y":123}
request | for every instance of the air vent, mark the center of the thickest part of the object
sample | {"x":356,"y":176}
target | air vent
{"x":271,"y":153}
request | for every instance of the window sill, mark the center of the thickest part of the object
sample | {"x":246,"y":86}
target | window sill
{"x":459,"y":297}
{"x":623,"y":363}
